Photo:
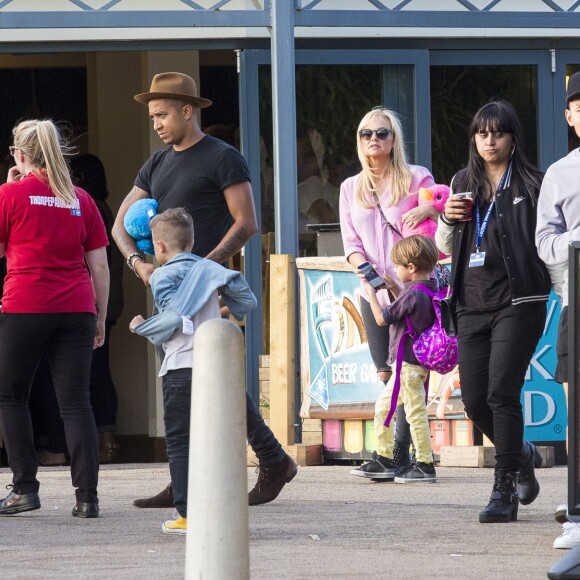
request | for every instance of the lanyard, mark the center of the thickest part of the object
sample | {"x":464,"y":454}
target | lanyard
{"x":480,"y":229}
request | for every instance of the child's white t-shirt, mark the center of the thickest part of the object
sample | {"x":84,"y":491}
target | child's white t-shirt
{"x":179,"y":348}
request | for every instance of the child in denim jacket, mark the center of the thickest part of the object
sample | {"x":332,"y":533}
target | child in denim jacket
{"x":185,"y":290}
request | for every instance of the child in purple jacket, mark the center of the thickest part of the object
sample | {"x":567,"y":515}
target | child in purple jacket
{"x":414,"y":259}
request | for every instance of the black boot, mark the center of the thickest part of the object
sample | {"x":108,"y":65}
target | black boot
{"x":528,"y":486}
{"x":503,"y":503}
{"x":401,"y":456}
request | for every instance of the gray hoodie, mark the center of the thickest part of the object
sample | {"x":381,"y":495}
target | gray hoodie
{"x":558,"y":221}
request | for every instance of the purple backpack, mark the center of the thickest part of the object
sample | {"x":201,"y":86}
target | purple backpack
{"x":434,"y":349}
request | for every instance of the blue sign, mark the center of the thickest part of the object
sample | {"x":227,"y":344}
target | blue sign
{"x":543,"y":400}
{"x":341,"y":368}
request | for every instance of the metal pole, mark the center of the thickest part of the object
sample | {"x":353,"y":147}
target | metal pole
{"x":284,"y":111}
{"x":217,"y":544}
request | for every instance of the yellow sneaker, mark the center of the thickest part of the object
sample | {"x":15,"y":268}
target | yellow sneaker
{"x":176,"y":526}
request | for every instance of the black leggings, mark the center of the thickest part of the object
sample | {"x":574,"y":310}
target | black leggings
{"x":378,"y":339}
{"x":495,"y":350}
{"x":67,"y":340}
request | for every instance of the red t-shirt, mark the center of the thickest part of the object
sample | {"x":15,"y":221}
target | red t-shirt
{"x":45,"y":248}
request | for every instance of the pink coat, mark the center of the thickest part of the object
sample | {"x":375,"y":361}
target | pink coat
{"x":364,"y":231}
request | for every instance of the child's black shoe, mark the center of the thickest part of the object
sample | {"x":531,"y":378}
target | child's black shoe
{"x":378,"y":467}
{"x":417,"y":472}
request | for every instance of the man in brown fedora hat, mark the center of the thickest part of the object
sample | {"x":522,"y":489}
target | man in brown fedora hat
{"x":211,"y":180}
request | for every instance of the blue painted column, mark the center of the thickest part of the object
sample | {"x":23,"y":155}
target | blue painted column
{"x":284,"y":111}
{"x":284,"y":138}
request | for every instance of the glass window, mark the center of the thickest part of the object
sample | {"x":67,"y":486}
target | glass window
{"x":330,"y":102}
{"x":457,"y":92}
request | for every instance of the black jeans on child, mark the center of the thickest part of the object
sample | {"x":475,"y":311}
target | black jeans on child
{"x":495,"y":350}
{"x":176,"y":416}
{"x":67,"y":339}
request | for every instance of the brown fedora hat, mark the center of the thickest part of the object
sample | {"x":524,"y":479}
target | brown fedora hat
{"x":173,"y":85}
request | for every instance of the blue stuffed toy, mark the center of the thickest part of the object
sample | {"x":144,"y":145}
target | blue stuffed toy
{"x":136,"y":223}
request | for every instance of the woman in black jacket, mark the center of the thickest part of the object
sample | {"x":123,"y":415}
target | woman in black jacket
{"x":500,"y":289}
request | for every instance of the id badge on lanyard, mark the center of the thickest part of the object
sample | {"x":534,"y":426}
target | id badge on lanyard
{"x":477,"y":259}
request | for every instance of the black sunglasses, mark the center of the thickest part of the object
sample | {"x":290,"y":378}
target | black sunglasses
{"x":367,"y":134}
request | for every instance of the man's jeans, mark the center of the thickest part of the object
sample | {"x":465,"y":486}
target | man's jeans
{"x":177,"y":405}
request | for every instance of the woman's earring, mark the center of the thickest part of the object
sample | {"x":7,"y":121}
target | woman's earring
{"x":513,"y":149}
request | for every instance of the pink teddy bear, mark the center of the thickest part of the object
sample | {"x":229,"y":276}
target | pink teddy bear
{"x":436,"y":195}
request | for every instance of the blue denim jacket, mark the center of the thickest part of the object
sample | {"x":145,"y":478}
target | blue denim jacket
{"x":183,"y":285}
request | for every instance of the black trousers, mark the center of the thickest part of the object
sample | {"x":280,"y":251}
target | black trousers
{"x":67,"y":340}
{"x":378,"y":339}
{"x":495,"y":350}
{"x":103,"y":391}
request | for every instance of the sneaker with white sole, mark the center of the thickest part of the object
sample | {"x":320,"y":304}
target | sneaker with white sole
{"x":417,"y":472}
{"x":561,"y":513}
{"x":569,"y":538}
{"x":378,"y":467}
{"x":176,"y":526}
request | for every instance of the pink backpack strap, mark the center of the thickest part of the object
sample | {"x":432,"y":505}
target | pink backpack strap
{"x":399,"y":362}
{"x":429,"y":293}
{"x":435,"y":305}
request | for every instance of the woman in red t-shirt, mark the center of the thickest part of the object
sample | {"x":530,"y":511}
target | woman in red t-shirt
{"x":54,"y":303}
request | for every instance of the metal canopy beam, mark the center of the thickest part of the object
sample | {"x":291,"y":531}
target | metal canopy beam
{"x":436,"y":19}
{"x":308,"y":17}
{"x":136,"y":19}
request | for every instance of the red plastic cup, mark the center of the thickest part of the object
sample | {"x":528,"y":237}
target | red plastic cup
{"x":467,"y":198}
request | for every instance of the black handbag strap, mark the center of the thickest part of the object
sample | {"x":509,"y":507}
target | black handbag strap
{"x":389,"y":224}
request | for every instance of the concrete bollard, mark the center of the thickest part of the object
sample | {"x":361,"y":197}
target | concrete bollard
{"x":217,"y":545}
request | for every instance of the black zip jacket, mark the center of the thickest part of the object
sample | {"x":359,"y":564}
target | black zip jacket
{"x":516,"y":217}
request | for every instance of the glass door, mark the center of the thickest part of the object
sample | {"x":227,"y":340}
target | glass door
{"x":331,"y":98}
{"x":463,"y":81}
{"x":567,"y":62}
{"x":334,"y":89}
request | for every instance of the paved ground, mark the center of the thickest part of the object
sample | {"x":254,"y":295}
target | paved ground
{"x":326,"y":524}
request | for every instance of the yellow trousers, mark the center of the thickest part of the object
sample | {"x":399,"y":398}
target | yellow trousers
{"x":412,"y":394}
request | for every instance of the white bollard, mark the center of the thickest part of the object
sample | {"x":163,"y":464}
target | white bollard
{"x":217,"y":545}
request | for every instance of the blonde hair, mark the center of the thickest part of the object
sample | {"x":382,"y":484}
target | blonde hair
{"x":418,"y":250}
{"x":400,"y":174}
{"x":174,"y":227}
{"x":45,"y":148}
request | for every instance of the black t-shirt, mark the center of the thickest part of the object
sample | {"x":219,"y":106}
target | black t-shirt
{"x":195,"y":179}
{"x":484,"y":287}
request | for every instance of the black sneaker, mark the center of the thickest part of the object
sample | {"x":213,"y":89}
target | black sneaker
{"x":15,"y":503}
{"x":378,"y":467}
{"x":417,"y":472}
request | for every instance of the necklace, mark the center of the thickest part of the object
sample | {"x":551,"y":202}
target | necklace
{"x":382,"y":182}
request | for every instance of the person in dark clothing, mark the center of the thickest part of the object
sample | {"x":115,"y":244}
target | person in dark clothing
{"x":500,"y":289}
{"x":54,"y":303}
{"x":89,"y":173}
{"x":211,"y":180}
